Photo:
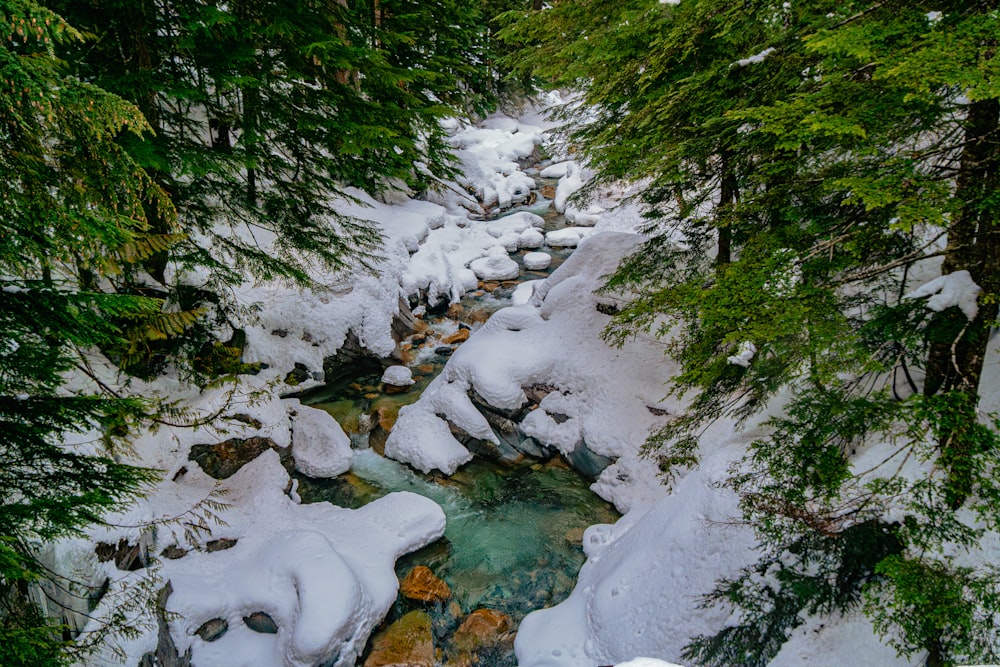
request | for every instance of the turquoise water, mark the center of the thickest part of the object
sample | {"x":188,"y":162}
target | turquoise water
{"x":513,"y":536}
{"x":514,"y":533}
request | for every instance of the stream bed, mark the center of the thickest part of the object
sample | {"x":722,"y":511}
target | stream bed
{"x":514,"y":533}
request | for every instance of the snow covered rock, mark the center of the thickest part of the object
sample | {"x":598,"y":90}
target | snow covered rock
{"x":536,"y":261}
{"x":398,"y":376}
{"x":495,"y":266}
{"x":516,"y":223}
{"x":531,"y":238}
{"x":568,"y":237}
{"x":572,"y":181}
{"x":320,"y":447}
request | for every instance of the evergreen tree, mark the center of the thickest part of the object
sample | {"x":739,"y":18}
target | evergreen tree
{"x":72,"y":216}
{"x":832,"y":148}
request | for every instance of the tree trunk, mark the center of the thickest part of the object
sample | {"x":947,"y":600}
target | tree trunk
{"x":728,"y":196}
{"x":137,"y":33}
{"x":955,"y":364}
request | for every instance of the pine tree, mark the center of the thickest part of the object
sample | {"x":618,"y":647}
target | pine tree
{"x":73,"y":210}
{"x":832,"y":148}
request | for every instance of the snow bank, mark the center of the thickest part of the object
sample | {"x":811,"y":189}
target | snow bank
{"x":243,"y":545}
{"x":489,"y":156}
{"x":603,"y":395}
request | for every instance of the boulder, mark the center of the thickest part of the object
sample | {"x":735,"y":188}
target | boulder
{"x":212,"y":629}
{"x":397,"y":376}
{"x":495,"y":266}
{"x":459,"y":336}
{"x":261,"y":622}
{"x":537,"y":261}
{"x":531,"y":238}
{"x":482,"y":629}
{"x":409,"y":642}
{"x":224,"y":459}
{"x":420,"y":584}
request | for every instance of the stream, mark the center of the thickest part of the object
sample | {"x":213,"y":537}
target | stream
{"x":513,"y":537}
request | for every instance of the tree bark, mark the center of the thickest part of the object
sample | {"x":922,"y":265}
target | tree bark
{"x":728,"y":196}
{"x":956,"y":365}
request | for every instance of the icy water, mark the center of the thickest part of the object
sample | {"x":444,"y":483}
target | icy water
{"x":514,"y":533}
{"x":513,"y":536}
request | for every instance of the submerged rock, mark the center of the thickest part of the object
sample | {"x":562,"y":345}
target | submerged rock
{"x":482,"y":629}
{"x":409,"y":642}
{"x":420,"y":584}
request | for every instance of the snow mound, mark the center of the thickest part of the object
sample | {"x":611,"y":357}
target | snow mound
{"x":569,"y":237}
{"x":495,"y":266}
{"x":320,"y":447}
{"x":398,"y":376}
{"x":531,"y":238}
{"x":516,"y":223}
{"x":536,"y":261}
{"x":298,"y":579}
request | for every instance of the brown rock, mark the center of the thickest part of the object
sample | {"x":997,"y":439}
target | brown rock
{"x":489,"y":285}
{"x":478,"y":316}
{"x":547,"y":191}
{"x":385,"y":414}
{"x":459,"y":336}
{"x":409,"y":642}
{"x":426,"y":368}
{"x":455,"y":311}
{"x":421,"y":584}
{"x":482,"y":628}
{"x":220,"y":544}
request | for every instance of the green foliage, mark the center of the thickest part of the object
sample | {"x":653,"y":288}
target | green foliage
{"x":801,"y":159}
{"x":72,"y":200}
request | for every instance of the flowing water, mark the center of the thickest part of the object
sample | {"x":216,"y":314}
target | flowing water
{"x":513,"y":536}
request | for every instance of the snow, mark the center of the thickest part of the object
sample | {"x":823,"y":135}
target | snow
{"x":325,"y":574}
{"x":953,"y":289}
{"x":744,"y":356}
{"x":756,"y":58}
{"x":568,"y":237}
{"x":572,"y":182}
{"x":536,"y":261}
{"x":495,"y":266}
{"x":398,"y":376}
{"x":515,"y":222}
{"x":320,"y":447}
{"x":531,"y":238}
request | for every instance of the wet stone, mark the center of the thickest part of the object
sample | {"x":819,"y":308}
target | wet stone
{"x":173,"y":552}
{"x":212,"y":629}
{"x":261,"y":622}
{"x":409,"y":642}
{"x":224,"y":459}
{"x":420,"y":584}
{"x":220,"y":544}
